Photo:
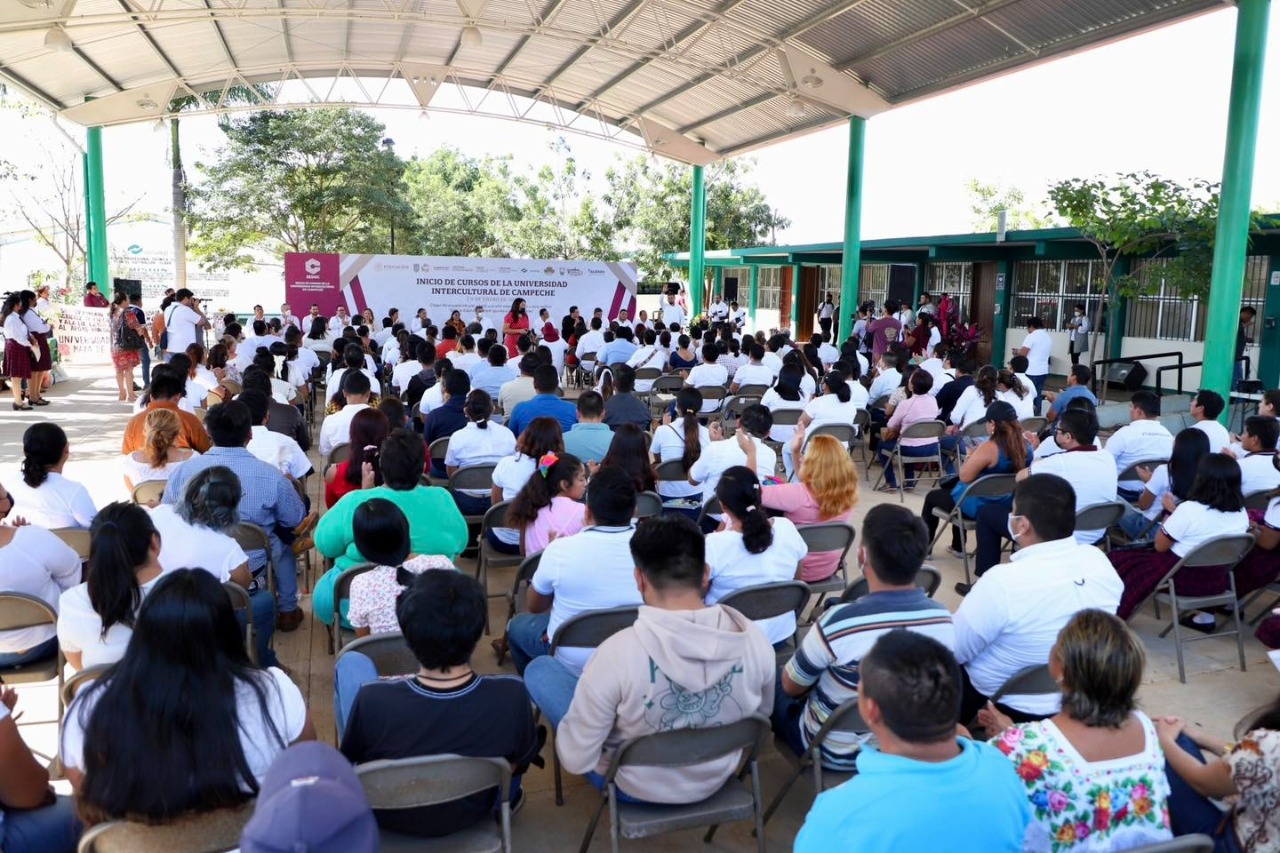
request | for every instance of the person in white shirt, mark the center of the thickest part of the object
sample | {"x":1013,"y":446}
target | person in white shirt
{"x":672,"y":312}
{"x":182,"y":321}
{"x":785,"y":395}
{"x":1143,"y":439}
{"x":754,"y":372}
{"x":590,"y":343}
{"x":737,"y":316}
{"x":556,"y":345}
{"x":192,"y":533}
{"x":887,"y":378}
{"x":339,"y":321}
{"x":590,"y":570}
{"x":1011,"y":390}
{"x":827,"y":353}
{"x":772,"y":358}
{"x":826,"y":314}
{"x":935,"y":367}
{"x":926,"y":305}
{"x":276,"y":449}
{"x":1037,"y":346}
{"x":1172,"y":480}
{"x":681,"y":438}
{"x":37,"y":563}
{"x":752,"y":549}
{"x":465,"y":356}
{"x":621,"y":321}
{"x":420,"y":358}
{"x":718,"y":313}
{"x":1258,"y":472}
{"x":1011,"y":617}
{"x":43,"y":496}
{"x":1206,"y":406}
{"x":722,"y":454}
{"x":306,"y":359}
{"x":709,"y":374}
{"x":485,"y":323}
{"x":353,"y":361}
{"x":648,"y":356}
{"x":336,"y":428}
{"x":906,"y":318}
{"x":839,"y":404}
{"x":480,"y":442}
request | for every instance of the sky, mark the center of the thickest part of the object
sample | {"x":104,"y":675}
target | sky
{"x":1157,"y":102}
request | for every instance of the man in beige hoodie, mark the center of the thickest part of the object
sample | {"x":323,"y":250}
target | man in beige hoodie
{"x":682,"y":665}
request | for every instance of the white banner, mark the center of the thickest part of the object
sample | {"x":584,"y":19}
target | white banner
{"x":445,"y":285}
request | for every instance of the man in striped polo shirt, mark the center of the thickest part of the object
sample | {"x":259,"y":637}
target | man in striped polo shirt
{"x":824,"y":672}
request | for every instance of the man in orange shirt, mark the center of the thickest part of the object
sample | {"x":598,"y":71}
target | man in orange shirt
{"x":166,"y":391}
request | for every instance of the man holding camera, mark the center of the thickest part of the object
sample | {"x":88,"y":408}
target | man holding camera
{"x":182,"y":322}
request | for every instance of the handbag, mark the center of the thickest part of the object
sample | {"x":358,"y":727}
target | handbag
{"x":949,"y":482}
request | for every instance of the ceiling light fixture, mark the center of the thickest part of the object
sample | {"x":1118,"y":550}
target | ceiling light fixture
{"x":472,"y":37}
{"x":37,"y":4}
{"x":57,"y":39}
{"x":159,"y":126}
{"x":795,"y":109}
{"x":811,"y":80}
{"x":145,"y":103}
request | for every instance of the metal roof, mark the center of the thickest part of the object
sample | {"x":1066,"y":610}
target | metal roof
{"x":693,"y":80}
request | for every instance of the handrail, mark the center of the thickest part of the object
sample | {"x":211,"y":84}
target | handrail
{"x":1178,"y":367}
{"x":1178,"y":354}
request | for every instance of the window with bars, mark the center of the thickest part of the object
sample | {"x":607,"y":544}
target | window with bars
{"x":1170,"y":316}
{"x":770,"y":294}
{"x":874,"y":284}
{"x":954,"y":280}
{"x":1050,"y":290}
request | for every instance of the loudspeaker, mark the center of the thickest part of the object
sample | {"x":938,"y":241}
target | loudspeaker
{"x":1130,"y":374}
{"x":131,"y":286}
{"x":902,"y":284}
{"x":672,"y":288}
{"x":730,"y":289}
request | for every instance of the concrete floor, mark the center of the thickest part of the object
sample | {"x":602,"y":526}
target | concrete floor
{"x":1215,"y":696}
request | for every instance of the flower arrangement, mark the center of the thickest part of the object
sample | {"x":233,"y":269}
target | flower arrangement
{"x":955,"y":332}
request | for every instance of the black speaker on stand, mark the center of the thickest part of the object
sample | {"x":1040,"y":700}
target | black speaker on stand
{"x":1129,"y":374}
{"x":131,"y":286}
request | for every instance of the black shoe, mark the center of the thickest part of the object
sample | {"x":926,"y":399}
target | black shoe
{"x":963,"y":588}
{"x":1189,"y":621}
{"x":518,"y":803}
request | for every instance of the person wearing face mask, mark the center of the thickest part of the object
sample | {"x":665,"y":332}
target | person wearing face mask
{"x":1011,"y":617}
{"x":1078,"y":333}
{"x":480,"y":318}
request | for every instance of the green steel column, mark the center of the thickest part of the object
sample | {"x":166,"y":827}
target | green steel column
{"x":1237,"y":182}
{"x":99,"y":262}
{"x":795,"y":300}
{"x":1000,"y":314}
{"x":851,"y":265}
{"x":1269,"y":339}
{"x":88,"y":214}
{"x":754,"y":295}
{"x":697,"y":239}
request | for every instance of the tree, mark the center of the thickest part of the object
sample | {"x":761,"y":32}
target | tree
{"x":1142,"y":215}
{"x":558,"y":216}
{"x":987,"y":201}
{"x":458,"y":202}
{"x":297,"y":181}
{"x":234,"y":95}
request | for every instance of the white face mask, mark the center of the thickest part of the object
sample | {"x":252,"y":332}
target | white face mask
{"x":1009,"y":526}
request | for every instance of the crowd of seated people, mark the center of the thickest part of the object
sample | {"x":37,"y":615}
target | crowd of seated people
{"x":179,"y":683}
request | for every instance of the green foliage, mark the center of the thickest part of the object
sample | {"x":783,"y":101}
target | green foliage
{"x":986,"y":201}
{"x":459,"y":203}
{"x":297,"y":181}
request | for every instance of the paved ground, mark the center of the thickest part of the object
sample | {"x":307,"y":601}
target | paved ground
{"x":1216,"y":695}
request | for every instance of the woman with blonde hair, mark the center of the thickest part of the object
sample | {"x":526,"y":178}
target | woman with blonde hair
{"x":827,"y":491}
{"x":160,"y":453}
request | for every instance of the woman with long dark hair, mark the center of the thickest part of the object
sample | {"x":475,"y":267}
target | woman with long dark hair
{"x":786,"y":394}
{"x":184,"y":723}
{"x":515,"y":325}
{"x":43,"y":496}
{"x":974,"y":400}
{"x":124,"y":360}
{"x":630,"y":452}
{"x":838,"y":404}
{"x":542,"y":436}
{"x":369,"y":428}
{"x":1175,"y":477}
{"x":18,"y":345}
{"x":683,"y":438}
{"x":95,"y":618}
{"x":809,"y":377}
{"x":550,"y":504}
{"x":42,"y":358}
{"x":480,"y":442}
{"x":750,"y":548}
{"x":1012,"y":390}
{"x":1215,"y":507}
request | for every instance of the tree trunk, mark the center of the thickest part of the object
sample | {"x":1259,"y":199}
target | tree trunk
{"x":179,"y":208}
{"x":1096,"y":332}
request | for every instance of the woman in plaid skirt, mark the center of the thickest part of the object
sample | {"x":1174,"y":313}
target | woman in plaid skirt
{"x":17,"y":348}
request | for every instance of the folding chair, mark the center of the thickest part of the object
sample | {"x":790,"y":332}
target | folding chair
{"x":339,"y":636}
{"x":436,"y":452}
{"x":18,"y":611}
{"x":829,"y":536}
{"x":490,"y":557}
{"x":846,"y":434}
{"x":428,"y":780}
{"x":709,"y":508}
{"x":784,"y":417}
{"x":662,"y":392}
{"x":1258,"y":500}
{"x":717,"y":394}
{"x":756,"y":391}
{"x":586,"y":368}
{"x":242,"y":604}
{"x":924,"y":429}
{"x":210,"y":832}
{"x":472,"y":478}
{"x":72,"y":686}
{"x":766,"y":600}
{"x":843,"y":720}
{"x":586,"y":631}
{"x":861,"y":423}
{"x":683,"y":748}
{"x":149,"y":493}
{"x":1033,"y":425}
{"x":1101,"y":516}
{"x":390,"y":653}
{"x":340,"y":453}
{"x":524,"y":575}
{"x":250,"y":537}
{"x":1182,"y":844}
{"x":648,"y":505}
{"x":1128,"y":480}
{"x":648,"y":374}
{"x":974,"y":431}
{"x":75,"y":538}
{"x":927,"y":578}
{"x":671,"y":471}
{"x":1035,"y":680}
{"x":987,"y":486}
{"x":733,"y":408}
{"x":1220,"y":551}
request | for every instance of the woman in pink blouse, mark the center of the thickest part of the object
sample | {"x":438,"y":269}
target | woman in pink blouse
{"x":827,"y":491}
{"x":550,"y":504}
{"x":919,"y":406}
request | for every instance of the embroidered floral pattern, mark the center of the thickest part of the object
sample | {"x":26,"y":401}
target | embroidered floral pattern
{"x":1080,"y":806}
{"x":1254,"y":765}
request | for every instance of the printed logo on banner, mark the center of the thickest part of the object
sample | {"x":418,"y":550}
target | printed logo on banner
{"x":417,"y":267}
{"x":549,"y":271}
{"x":312,"y":266}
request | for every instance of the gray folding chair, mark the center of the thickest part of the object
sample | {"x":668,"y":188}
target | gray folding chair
{"x":843,"y":720}
{"x":339,"y":636}
{"x":987,"y":486}
{"x":1182,"y":844}
{"x":1033,"y":680}
{"x":437,"y":452}
{"x":927,"y":578}
{"x":250,"y":537}
{"x":472,"y":478}
{"x":18,"y":611}
{"x":975,"y":431}
{"x":1220,"y":551}
{"x":825,"y":537}
{"x":756,"y":391}
{"x":662,"y":392}
{"x":648,"y":505}
{"x":672,"y":471}
{"x":861,"y":423}
{"x":683,"y":748}
{"x":924,"y":429}
{"x":586,"y":631}
{"x":242,"y":604}
{"x":390,"y":653}
{"x":713,"y":393}
{"x":766,"y":600}
{"x":148,"y":493}
{"x":1258,"y":500}
{"x":490,"y":557}
{"x":515,"y":596}
{"x":428,"y":780}
{"x":1101,"y":516}
{"x":711,"y":507}
{"x":733,"y":408}
{"x":846,"y":434}
{"x":784,"y":417}
{"x":210,"y":832}
{"x":648,"y":374}
{"x":1033,"y":425}
{"x":72,"y":686}
{"x":1128,"y":479}
{"x":340,"y":453}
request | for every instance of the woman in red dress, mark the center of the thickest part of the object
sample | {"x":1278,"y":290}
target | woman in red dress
{"x":515,"y":324}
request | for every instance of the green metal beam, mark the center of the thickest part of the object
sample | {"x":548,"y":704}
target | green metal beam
{"x":851,"y":254}
{"x":698,"y":239}
{"x":980,"y":254}
{"x":1000,"y":314}
{"x":99,"y":260}
{"x":1232,"y":241}
{"x":88,"y":215}
{"x":795,"y":300}
{"x":754,"y":298}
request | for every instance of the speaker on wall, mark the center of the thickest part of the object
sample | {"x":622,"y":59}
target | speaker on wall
{"x":902,"y":283}
{"x":1130,"y":374}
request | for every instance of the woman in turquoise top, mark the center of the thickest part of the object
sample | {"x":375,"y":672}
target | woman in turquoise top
{"x":1006,"y":453}
{"x":436,"y":527}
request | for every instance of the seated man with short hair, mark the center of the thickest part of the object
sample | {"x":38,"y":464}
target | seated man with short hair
{"x":443,"y":708}
{"x":624,"y":407}
{"x":923,"y":787}
{"x":590,"y":437}
{"x":823,"y":674}
{"x":683,"y":664}
{"x":544,"y":403}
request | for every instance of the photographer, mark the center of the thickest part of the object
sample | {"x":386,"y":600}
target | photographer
{"x":182,"y":321}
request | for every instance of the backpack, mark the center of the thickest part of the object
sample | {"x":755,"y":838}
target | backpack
{"x":128,"y":338}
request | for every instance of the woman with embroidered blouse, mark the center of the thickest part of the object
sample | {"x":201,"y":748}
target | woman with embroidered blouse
{"x":1094,"y":772}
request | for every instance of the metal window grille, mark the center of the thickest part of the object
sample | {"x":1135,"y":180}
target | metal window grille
{"x":770,"y":295}
{"x":954,"y":280}
{"x":1169,"y":315}
{"x":874,"y":284}
{"x":1050,"y":290}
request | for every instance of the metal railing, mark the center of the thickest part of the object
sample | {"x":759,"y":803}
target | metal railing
{"x":1180,"y":366}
